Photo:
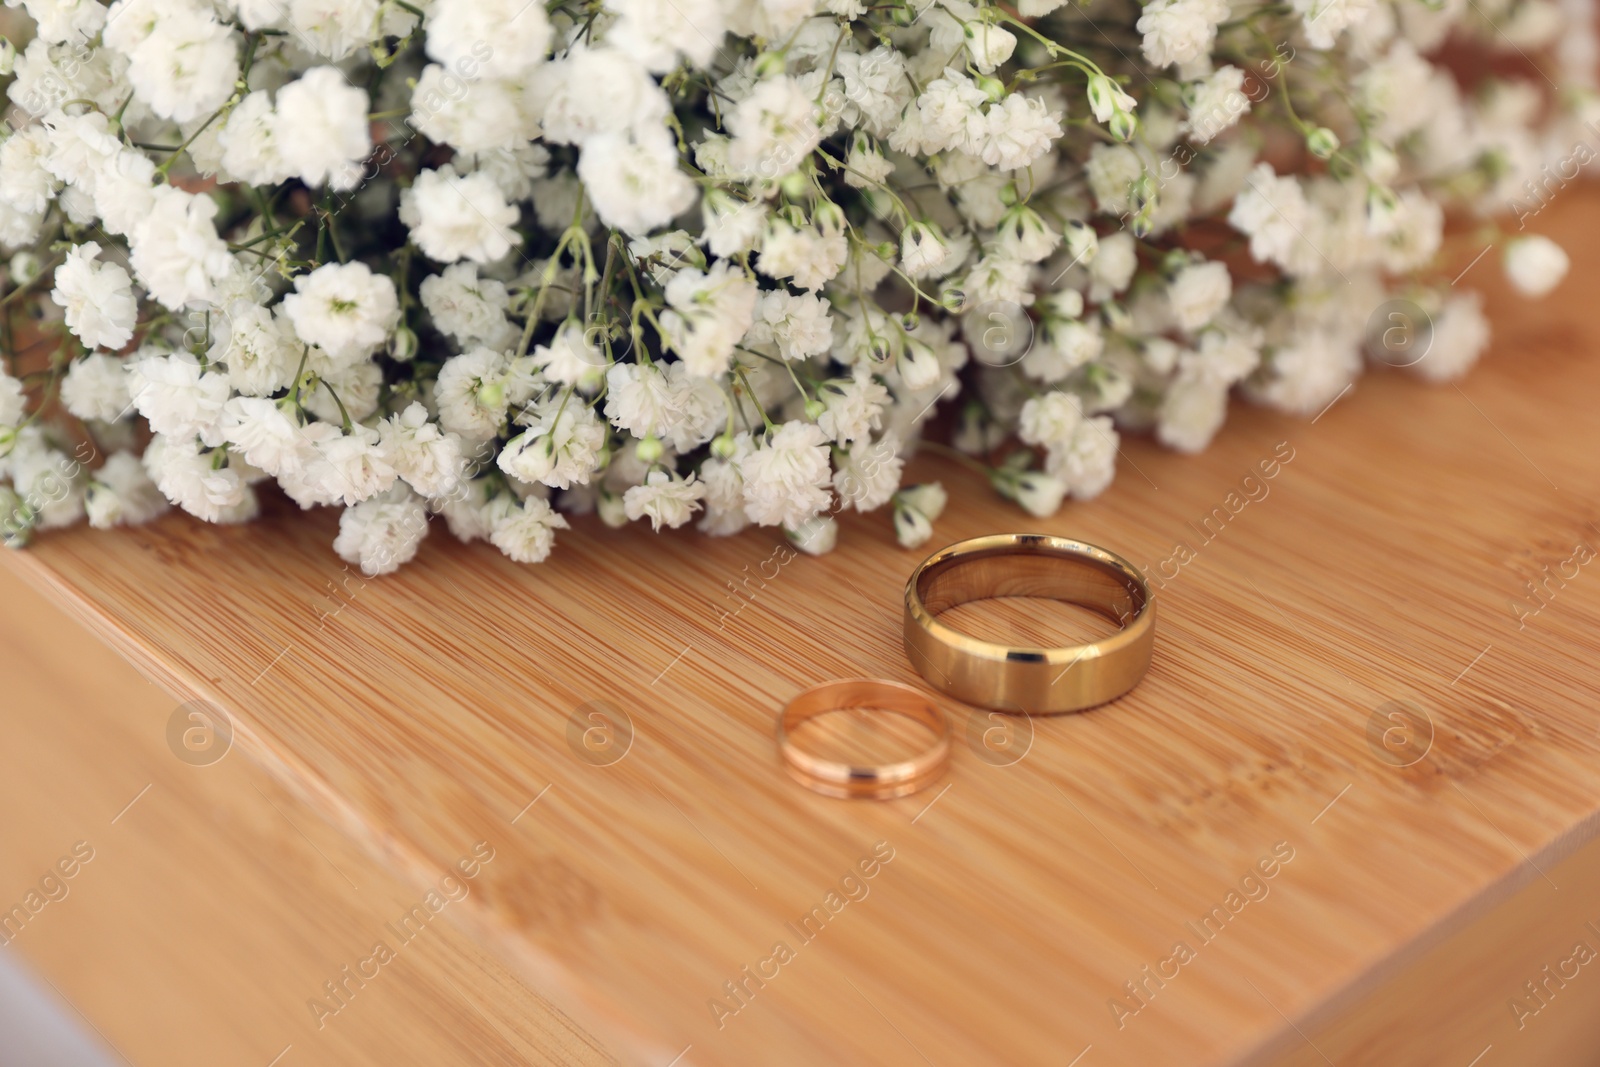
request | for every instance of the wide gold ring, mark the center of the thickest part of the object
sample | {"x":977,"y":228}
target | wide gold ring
{"x":851,"y":781}
{"x":1022,"y":679}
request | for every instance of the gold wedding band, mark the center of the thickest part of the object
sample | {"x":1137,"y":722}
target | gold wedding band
{"x":838,"y":779}
{"x":1033,"y":680}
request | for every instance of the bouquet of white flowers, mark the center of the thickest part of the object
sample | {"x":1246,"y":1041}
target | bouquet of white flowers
{"x":507,"y":260}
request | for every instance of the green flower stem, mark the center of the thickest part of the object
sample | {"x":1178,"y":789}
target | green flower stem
{"x":744,"y":380}
{"x":204,"y":126}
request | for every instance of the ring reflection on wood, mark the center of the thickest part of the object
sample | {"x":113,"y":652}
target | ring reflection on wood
{"x":1027,"y":679}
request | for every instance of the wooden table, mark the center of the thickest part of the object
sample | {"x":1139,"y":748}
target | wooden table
{"x":1023,"y":912}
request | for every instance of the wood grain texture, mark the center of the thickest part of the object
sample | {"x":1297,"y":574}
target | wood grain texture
{"x":1382,"y":565}
{"x":215,"y":905}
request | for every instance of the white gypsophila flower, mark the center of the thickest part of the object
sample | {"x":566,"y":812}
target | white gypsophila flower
{"x":634,"y":179}
{"x":354,"y":466}
{"x":1306,"y":373}
{"x":473,"y":394}
{"x":258,"y":348}
{"x":1191,"y":412}
{"x":1197,"y":292}
{"x":121,"y":493}
{"x":798,"y":325}
{"x":96,"y":388}
{"x":1106,"y":98}
{"x":453,"y":217}
{"x":344,"y":309}
{"x":1159,"y":355}
{"x":1395,"y":89}
{"x":527,"y":531}
{"x":1326,"y":19}
{"x":571,"y":358}
{"x":665,"y":401}
{"x":1180,"y":31}
{"x":250,"y":144}
{"x":597,"y":90}
{"x":18,"y":229}
{"x":175,"y":251}
{"x":1061,"y":347}
{"x":868,"y":473}
{"x":1460,"y":334}
{"x":1271,"y":211}
{"x":1111,"y":172}
{"x":924,"y":250}
{"x":50,"y":75}
{"x":656,"y":32}
{"x":918,"y":367}
{"x":500,"y":38}
{"x":124,"y":191}
{"x":80,"y":147}
{"x":479,"y":115}
{"x":466,"y":512}
{"x":26,"y":180}
{"x":786,"y":479}
{"x":988,"y":45}
{"x":428,"y":459}
{"x":321,"y":128}
{"x":876,"y":85}
{"x":343,"y":391}
{"x":816,"y":536}
{"x":911,"y":527}
{"x":469,"y":309}
{"x":380,"y":534}
{"x":709,"y":312}
{"x":176,"y":397}
{"x":97,"y":298}
{"x":1050,"y":420}
{"x":999,"y":279}
{"x":1415,"y":232}
{"x":1038,"y":493}
{"x":13,"y":402}
{"x":561,"y":446}
{"x":308,"y":478}
{"x":1216,"y":103}
{"x":852,"y":408}
{"x":724,"y":499}
{"x":62,"y":21}
{"x":50,"y":482}
{"x":1535,"y":265}
{"x":1229,"y":350}
{"x":1023,"y":235}
{"x":1018,"y":131}
{"x":335,"y":28}
{"x":185,"y":67}
{"x":774,"y":129}
{"x":916,"y":508}
{"x":187,"y":475}
{"x":808,"y":256}
{"x":1087,"y":463}
{"x":950,"y":113}
{"x":730,"y":226}
{"x":664,"y":498}
{"x":513,"y":169}
{"x":77,"y":205}
{"x":263,"y":432}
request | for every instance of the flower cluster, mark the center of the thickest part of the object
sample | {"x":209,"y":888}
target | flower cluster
{"x":722,"y":261}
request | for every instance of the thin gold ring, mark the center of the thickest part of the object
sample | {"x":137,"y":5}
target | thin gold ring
{"x":1026,"y":679}
{"x":851,"y":781}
